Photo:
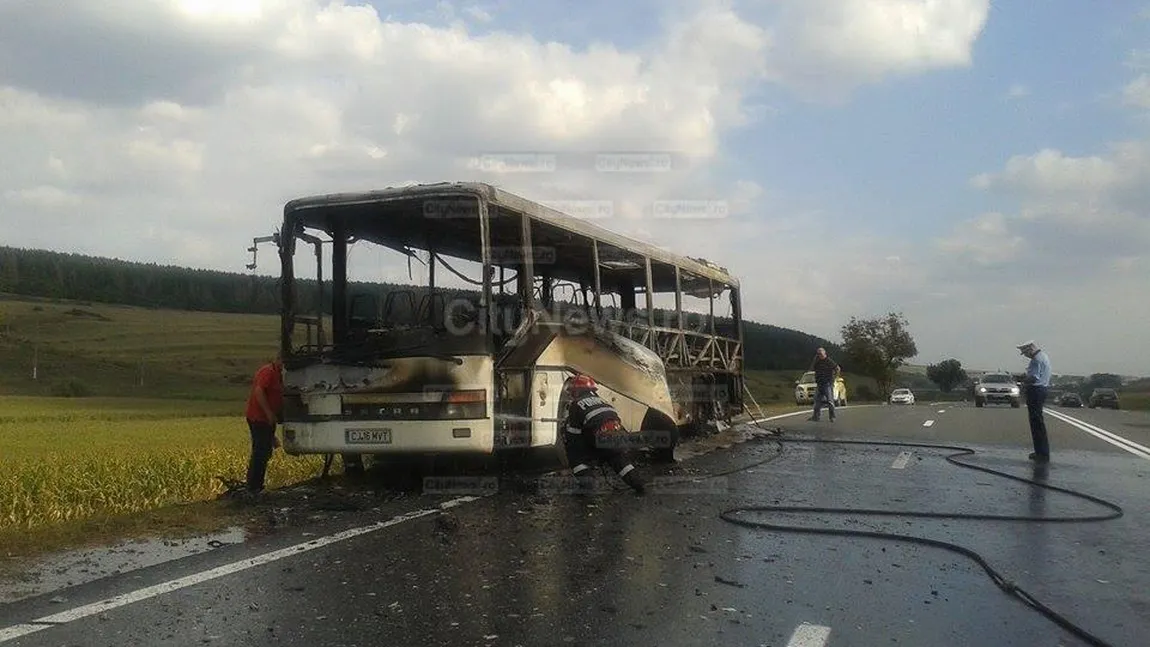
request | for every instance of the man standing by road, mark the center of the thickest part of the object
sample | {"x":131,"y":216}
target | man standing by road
{"x":826,"y":371}
{"x":265,"y":402}
{"x":594,"y":431}
{"x":1037,"y":384}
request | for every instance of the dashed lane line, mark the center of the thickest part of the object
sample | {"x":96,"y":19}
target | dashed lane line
{"x":900,"y":462}
{"x":808,"y":635}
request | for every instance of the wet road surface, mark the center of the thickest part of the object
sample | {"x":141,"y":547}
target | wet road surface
{"x":538,"y":565}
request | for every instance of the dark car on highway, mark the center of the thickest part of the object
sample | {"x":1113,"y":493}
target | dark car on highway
{"x":1070,"y":400}
{"x":1104,"y":398}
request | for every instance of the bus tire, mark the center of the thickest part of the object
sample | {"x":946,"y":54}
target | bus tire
{"x":352,"y":463}
{"x":664,"y":435}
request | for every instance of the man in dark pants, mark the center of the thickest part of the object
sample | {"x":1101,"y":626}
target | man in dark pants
{"x":1037,"y":384}
{"x":826,"y":371}
{"x":595,"y":431}
{"x":265,"y":402}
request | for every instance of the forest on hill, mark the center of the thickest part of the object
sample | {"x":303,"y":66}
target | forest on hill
{"x":56,"y":275}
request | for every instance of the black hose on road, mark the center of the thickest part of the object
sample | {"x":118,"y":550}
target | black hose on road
{"x":999,"y":580}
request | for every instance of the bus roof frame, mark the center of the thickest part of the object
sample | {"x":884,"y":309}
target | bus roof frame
{"x":298,"y":212}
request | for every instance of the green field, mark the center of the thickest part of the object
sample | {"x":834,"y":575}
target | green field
{"x":49,"y":348}
{"x":81,"y":459}
{"x":1135,"y":401}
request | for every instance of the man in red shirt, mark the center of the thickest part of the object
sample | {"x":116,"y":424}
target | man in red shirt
{"x":265,"y":403}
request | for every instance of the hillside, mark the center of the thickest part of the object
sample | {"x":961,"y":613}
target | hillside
{"x":85,"y":279}
{"x":66,"y":348}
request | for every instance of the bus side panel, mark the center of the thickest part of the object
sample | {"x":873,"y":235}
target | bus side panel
{"x":629,"y":388}
{"x":547,"y":411}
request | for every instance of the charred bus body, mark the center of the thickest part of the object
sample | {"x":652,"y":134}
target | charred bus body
{"x":440,"y":371}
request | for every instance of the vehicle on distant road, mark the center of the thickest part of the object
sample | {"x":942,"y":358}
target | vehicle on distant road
{"x":1070,"y":400}
{"x":902,"y":396}
{"x":805,"y":390}
{"x":1104,"y":398}
{"x":997,"y":388}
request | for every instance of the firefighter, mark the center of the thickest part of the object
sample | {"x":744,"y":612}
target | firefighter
{"x":595,"y":431}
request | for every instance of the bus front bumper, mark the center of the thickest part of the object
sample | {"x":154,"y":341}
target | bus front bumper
{"x":390,"y":437}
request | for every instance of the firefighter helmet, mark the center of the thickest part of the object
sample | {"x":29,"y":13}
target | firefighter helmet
{"x":582,"y":383}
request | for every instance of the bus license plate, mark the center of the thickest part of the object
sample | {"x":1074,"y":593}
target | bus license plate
{"x":369,"y":436}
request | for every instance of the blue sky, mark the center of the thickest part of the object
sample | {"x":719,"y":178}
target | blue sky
{"x":849,"y":174}
{"x":934,"y":132}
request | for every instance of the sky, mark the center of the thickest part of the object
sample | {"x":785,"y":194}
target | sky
{"x":981,"y":167}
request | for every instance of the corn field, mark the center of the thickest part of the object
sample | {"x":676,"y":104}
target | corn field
{"x":66,"y":464}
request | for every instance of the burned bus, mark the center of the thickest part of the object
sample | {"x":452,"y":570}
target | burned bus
{"x":434,"y":370}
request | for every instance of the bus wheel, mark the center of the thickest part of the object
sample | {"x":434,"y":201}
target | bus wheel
{"x":352,"y":463}
{"x":664,"y":455}
{"x":663,"y":436}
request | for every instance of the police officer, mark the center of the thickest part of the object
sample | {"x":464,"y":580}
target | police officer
{"x":595,"y":431}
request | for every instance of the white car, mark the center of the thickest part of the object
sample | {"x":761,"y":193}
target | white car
{"x":901,"y":396}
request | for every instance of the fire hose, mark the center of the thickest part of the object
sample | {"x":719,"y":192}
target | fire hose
{"x":734,"y":516}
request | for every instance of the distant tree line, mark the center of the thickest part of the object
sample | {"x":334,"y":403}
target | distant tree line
{"x":57,"y":275}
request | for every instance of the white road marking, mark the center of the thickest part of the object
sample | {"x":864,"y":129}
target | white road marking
{"x":1098,"y":432}
{"x":807,"y":412}
{"x":928,"y":423}
{"x":10,"y":633}
{"x":900,"y":462}
{"x":942,"y":410}
{"x":808,"y":635}
{"x":15,"y":631}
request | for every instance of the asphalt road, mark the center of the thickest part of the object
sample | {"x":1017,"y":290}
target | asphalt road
{"x":546,"y":567}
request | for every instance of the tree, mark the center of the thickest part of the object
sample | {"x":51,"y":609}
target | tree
{"x":878,"y":347}
{"x":947,"y":374}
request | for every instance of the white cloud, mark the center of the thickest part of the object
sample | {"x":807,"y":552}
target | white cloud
{"x":43,"y":197}
{"x":1089,"y":208}
{"x":1138,"y":59}
{"x":224,"y":111}
{"x":1050,"y":172}
{"x":1017,"y":91}
{"x":834,"y":45}
{"x":986,"y":240}
{"x":478,"y":14}
{"x":1062,"y":268}
{"x":223,"y":12}
{"x":183,"y":132}
{"x":181,"y":156}
{"x":1137,"y":92}
{"x":167,"y":112}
